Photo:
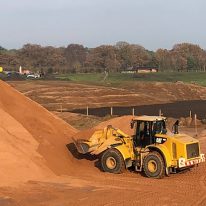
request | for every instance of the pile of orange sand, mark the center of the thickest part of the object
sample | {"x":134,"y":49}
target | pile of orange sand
{"x":32,"y":140}
{"x":19,"y":159}
{"x":122,"y":123}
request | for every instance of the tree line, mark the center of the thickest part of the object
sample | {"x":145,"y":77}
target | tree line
{"x":112,"y":58}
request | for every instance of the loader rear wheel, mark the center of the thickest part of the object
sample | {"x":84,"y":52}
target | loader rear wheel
{"x":154,"y":165}
{"x":112,"y":161}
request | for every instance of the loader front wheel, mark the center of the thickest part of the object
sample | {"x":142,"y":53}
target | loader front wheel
{"x":154,"y":165}
{"x":112,"y":161}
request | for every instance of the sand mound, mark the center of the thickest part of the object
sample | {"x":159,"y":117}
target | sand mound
{"x":19,"y":158}
{"x":33,"y":141}
{"x":122,"y":123}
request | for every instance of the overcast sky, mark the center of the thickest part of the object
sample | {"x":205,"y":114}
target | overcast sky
{"x":150,"y":23}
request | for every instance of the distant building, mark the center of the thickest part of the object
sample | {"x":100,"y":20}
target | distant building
{"x":26,"y":72}
{"x":143,"y":69}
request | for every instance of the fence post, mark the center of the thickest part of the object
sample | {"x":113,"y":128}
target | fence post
{"x":196,"y":124}
{"x":160,"y":112}
{"x":133,"y":111}
{"x":111,"y":111}
{"x":190,"y":114}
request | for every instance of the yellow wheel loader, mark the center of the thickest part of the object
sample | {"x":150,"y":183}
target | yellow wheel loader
{"x":152,"y":149}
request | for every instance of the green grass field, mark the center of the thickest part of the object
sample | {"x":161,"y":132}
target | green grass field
{"x":116,"y":79}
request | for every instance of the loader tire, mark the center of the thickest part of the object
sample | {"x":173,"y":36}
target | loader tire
{"x":112,"y":161}
{"x":154,"y":165}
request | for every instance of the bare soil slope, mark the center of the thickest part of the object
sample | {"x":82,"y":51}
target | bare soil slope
{"x":31,"y":136}
{"x":19,"y":159}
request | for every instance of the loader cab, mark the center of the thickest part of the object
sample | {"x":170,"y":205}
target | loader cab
{"x":145,"y":129}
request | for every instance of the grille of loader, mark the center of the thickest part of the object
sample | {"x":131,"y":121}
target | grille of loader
{"x":192,"y":150}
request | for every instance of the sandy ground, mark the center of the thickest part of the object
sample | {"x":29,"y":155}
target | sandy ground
{"x":109,"y":189}
{"x":57,"y":95}
{"x":76,"y":179}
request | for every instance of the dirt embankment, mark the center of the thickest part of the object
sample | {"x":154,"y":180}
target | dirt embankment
{"x":33,"y":141}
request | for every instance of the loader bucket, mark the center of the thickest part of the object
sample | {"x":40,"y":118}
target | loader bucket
{"x":81,"y":145}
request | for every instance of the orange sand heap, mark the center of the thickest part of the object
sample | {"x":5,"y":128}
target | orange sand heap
{"x":122,"y":123}
{"x":33,"y":141}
